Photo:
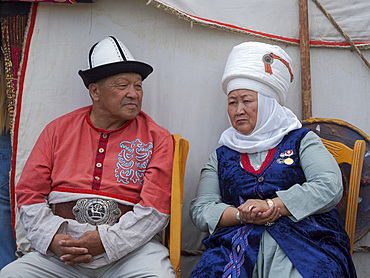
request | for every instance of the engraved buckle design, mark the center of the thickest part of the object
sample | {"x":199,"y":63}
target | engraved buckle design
{"x":96,"y":211}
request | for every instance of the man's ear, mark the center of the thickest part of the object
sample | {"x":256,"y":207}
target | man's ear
{"x":94,"y":91}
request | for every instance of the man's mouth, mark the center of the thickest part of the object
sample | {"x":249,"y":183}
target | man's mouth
{"x":130,"y":104}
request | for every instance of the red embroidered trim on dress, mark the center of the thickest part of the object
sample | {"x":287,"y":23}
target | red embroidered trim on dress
{"x":247,"y":164}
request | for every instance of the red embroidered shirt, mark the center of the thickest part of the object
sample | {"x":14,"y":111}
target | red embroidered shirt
{"x":132,"y":163}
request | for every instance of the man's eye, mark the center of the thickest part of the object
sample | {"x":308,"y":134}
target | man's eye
{"x":121,"y":86}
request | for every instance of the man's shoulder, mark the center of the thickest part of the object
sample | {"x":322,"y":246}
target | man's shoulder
{"x":78,"y":112}
{"x":73,"y":115}
{"x":150,"y":124}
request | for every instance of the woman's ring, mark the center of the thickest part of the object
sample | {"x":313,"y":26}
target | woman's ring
{"x":250,"y":208}
{"x":269,"y":223}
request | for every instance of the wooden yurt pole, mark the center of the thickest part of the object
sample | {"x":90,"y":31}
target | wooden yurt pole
{"x":305,"y":60}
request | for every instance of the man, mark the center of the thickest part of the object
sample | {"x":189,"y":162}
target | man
{"x":95,"y":191}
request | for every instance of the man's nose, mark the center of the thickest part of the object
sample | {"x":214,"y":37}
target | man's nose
{"x":131,"y":92}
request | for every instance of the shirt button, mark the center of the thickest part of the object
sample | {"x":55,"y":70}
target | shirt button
{"x":97,"y":178}
{"x":104,"y":135}
{"x":98,"y":164}
{"x":101,"y":150}
{"x":261,"y":179}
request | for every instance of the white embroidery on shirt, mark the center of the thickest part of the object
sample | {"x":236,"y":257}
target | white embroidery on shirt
{"x":133,"y":161}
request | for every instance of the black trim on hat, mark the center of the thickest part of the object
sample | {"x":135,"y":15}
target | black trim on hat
{"x":90,"y":54}
{"x":119,"y":48}
{"x":93,"y":75}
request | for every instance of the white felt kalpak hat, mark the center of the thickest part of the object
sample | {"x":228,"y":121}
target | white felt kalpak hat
{"x":260,"y":67}
{"x":110,"y":57}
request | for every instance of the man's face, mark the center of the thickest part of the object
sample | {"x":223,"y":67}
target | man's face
{"x":119,"y":97}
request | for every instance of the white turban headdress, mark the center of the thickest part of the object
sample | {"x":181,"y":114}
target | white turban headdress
{"x":267,"y":70}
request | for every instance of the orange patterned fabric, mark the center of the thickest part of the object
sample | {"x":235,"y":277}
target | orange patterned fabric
{"x":12,"y":33}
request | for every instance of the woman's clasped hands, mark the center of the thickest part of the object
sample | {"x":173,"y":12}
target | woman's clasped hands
{"x":258,"y":212}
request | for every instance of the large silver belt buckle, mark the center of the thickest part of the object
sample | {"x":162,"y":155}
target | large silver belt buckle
{"x":96,"y":211}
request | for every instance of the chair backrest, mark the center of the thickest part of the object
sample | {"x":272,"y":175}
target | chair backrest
{"x":355,"y":158}
{"x":172,"y":236}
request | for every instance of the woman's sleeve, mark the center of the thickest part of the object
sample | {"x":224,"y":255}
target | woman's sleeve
{"x":323,"y":188}
{"x":206,"y":209}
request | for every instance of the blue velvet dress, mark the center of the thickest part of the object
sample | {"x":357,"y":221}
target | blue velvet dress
{"x":317,"y":246}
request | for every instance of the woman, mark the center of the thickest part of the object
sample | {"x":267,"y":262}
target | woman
{"x":267,"y":196}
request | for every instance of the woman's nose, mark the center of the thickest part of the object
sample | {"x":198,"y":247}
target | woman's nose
{"x":240,"y":109}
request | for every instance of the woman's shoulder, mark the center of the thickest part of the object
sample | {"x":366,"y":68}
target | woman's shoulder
{"x":299,"y":132}
{"x":294,"y":137}
{"x":223,"y":150}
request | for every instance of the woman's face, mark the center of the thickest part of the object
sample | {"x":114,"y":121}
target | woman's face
{"x":242,"y":109}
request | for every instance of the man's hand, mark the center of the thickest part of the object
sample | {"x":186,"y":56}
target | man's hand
{"x":74,"y":254}
{"x":89,"y":240}
{"x":73,"y":251}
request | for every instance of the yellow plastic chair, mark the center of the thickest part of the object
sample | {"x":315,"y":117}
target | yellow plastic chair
{"x":172,"y":234}
{"x":355,"y":158}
